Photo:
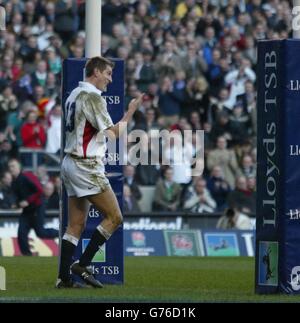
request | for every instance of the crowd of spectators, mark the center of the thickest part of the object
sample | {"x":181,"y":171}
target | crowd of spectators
{"x":196,"y":62}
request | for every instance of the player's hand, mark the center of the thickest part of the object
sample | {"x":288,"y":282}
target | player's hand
{"x":135,"y":103}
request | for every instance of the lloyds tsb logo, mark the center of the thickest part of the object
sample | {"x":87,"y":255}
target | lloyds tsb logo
{"x":2,"y":279}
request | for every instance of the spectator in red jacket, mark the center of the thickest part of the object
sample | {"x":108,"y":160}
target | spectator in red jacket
{"x":32,"y":133}
{"x":30,"y":197}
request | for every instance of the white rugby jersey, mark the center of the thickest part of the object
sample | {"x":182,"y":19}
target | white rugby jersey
{"x":86,"y":118}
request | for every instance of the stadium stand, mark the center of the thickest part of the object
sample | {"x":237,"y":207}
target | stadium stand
{"x":194,"y":59}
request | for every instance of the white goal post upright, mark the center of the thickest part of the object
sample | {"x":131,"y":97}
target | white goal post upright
{"x":93,"y":28}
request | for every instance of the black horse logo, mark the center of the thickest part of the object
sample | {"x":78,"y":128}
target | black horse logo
{"x":223,"y":245}
{"x":267,"y":263}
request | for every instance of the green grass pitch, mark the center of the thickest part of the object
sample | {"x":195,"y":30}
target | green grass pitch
{"x":147,"y":279}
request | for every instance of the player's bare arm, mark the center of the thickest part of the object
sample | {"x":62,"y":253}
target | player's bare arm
{"x":117,"y":130}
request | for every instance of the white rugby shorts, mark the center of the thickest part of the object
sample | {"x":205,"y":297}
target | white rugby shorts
{"x":83,"y":177}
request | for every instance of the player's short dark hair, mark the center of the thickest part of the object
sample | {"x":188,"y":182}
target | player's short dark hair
{"x":97,"y":62}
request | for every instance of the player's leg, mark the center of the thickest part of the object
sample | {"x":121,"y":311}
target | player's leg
{"x":38,"y":224}
{"x":78,"y":210}
{"x":23,"y":231}
{"x":106,"y":202}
